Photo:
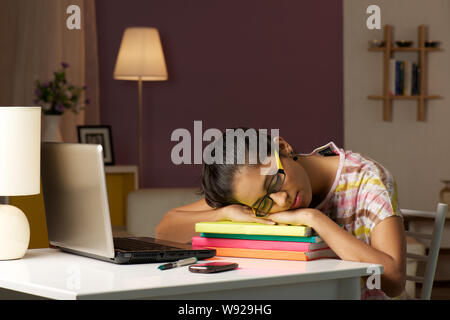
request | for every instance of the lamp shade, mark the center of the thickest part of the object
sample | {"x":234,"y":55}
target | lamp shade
{"x":20,"y":150}
{"x":140,"y":56}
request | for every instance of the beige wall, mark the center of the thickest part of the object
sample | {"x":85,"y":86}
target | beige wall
{"x":34,"y":40}
{"x":416,"y":153}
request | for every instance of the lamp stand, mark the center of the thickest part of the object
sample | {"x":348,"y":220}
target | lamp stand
{"x":140,"y":169}
{"x":14,"y":233}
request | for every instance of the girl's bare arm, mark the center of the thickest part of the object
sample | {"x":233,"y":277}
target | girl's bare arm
{"x":388,"y":244}
{"x":179,"y":223}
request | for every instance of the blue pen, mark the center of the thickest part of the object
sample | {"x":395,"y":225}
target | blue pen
{"x":178,"y":263}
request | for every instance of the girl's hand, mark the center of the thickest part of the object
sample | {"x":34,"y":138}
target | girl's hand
{"x":241,"y":213}
{"x":295,"y":217}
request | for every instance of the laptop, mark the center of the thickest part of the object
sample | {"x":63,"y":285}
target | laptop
{"x":77,"y":210}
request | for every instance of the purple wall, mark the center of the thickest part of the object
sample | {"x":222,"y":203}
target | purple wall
{"x":253,"y":63}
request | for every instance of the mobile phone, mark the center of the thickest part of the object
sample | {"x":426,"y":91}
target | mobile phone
{"x":212,"y":267}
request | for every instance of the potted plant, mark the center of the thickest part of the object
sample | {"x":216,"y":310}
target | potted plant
{"x":55,"y":97}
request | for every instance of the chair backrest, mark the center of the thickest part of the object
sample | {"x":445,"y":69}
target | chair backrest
{"x":434,"y":243}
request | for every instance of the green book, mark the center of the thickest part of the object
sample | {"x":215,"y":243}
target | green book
{"x":313,"y":239}
{"x":229,"y":227}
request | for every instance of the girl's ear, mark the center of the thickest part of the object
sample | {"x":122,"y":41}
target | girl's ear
{"x":285,"y":148}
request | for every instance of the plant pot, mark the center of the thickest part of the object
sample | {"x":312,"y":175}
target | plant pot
{"x":52,"y":128}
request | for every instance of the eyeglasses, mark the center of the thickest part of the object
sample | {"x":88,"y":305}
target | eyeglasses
{"x":276,"y":183}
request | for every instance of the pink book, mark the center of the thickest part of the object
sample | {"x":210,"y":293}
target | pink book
{"x":257,"y":244}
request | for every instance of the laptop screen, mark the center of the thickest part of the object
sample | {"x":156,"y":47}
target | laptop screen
{"x":75,"y":198}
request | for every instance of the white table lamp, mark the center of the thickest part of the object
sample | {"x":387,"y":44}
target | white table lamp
{"x":20,"y":165}
{"x":140,"y":58}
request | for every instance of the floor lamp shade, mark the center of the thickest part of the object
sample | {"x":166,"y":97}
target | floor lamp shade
{"x":140,"y":56}
{"x":20,"y":150}
{"x":20,"y":167}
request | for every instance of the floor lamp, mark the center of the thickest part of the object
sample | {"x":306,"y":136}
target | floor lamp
{"x":140,"y":58}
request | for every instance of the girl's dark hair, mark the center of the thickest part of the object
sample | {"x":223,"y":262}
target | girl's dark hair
{"x":217,"y":178}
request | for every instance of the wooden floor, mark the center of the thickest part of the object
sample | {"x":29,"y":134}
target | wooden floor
{"x":440,"y":291}
{"x":440,"y":294}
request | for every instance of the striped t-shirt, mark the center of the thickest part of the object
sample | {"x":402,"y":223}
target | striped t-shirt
{"x":363,"y":194}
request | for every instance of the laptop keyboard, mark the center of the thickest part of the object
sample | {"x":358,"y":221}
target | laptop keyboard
{"x":138,"y":245}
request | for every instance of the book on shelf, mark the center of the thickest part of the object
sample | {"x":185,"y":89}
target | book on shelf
{"x":274,"y":254}
{"x":258,"y":244}
{"x":399,"y":69}
{"x":253,"y":228}
{"x":404,"y":78}
{"x":312,"y":239}
{"x":407,"y":88}
{"x":392,"y":66}
{"x":416,"y":79}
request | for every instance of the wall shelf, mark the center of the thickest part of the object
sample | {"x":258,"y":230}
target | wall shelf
{"x":405,"y":49}
{"x":404,"y":97}
{"x":388,"y":50}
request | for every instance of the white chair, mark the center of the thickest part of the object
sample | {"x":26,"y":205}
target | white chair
{"x":432,"y":241}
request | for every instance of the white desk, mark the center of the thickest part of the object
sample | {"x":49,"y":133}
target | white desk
{"x":53,"y":274}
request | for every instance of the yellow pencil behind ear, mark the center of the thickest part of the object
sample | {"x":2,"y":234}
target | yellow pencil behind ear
{"x":280,"y":166}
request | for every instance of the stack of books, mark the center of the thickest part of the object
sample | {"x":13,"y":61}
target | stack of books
{"x":256,"y":240}
{"x":404,"y":78}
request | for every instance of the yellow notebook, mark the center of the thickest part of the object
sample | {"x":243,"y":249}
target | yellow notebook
{"x":253,"y":228}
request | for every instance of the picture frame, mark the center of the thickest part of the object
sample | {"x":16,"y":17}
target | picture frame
{"x":100,"y":134}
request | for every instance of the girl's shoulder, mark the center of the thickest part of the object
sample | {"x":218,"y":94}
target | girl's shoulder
{"x":360,"y":164}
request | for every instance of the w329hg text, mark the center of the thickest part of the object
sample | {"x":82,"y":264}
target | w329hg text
{"x":231,"y":309}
